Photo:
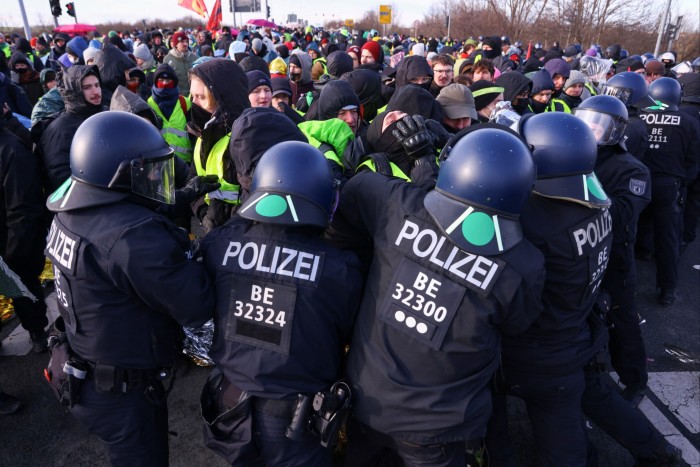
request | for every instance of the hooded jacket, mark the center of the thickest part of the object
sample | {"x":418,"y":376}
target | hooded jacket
{"x":112,"y":64}
{"x":56,"y":139}
{"x":229,"y":86}
{"x":367,"y":86}
{"x":14,"y":96}
{"x":339,"y":63}
{"x":29,"y":80}
{"x":412,"y":67}
{"x":415,"y":100}
{"x":254,"y":132}
{"x":25,"y":47}
{"x":305,"y":85}
{"x":514,"y":83}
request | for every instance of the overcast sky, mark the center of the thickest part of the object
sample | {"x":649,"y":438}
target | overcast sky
{"x":101,"y":11}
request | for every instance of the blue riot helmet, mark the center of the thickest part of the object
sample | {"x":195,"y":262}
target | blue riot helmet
{"x":647,"y":56}
{"x":114,"y":155}
{"x":565,"y":151}
{"x":630,"y":88}
{"x":292,"y":185}
{"x":695,"y":65}
{"x":483,"y":185}
{"x":668,"y":91}
{"x":624,"y":54}
{"x":607,"y":116}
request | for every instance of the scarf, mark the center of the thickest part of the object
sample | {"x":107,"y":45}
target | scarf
{"x":166,"y":98}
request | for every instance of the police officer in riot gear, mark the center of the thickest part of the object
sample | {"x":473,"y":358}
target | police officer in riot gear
{"x":627,"y":181}
{"x":567,"y":219}
{"x":631,"y":89}
{"x":286,"y":302}
{"x":450,"y":274}
{"x":124,"y":281}
{"x":672,"y":159}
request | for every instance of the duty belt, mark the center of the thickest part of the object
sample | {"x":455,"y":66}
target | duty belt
{"x":115,"y":379}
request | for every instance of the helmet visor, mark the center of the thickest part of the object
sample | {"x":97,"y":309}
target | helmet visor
{"x":154,"y":178}
{"x":606,"y":128}
{"x":624,"y":94}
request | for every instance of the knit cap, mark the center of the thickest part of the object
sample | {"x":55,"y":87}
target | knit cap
{"x":484,"y":92}
{"x":575,"y":77}
{"x":373,"y":48}
{"x":142,"y":52}
{"x":257,"y":78}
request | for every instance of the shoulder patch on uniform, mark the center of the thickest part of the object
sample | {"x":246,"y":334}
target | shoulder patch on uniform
{"x":638,"y":187}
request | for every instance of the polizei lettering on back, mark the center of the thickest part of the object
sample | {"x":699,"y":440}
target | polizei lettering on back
{"x":61,"y":247}
{"x":586,"y":237}
{"x":477,"y":271}
{"x":278,"y":260}
{"x":660,"y":119}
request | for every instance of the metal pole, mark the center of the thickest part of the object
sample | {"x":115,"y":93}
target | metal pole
{"x":662,"y":26}
{"x":27,"y":29}
{"x":449,"y":24}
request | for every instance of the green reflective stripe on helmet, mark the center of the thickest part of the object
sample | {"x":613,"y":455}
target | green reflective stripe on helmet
{"x":490,"y":90}
{"x":61,"y":190}
{"x":271,"y":206}
{"x":595,"y":188}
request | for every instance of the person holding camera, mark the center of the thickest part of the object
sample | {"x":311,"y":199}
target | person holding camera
{"x":286,"y":302}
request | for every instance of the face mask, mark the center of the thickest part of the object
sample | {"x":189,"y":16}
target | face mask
{"x":200,"y":117}
{"x":295,"y":77}
{"x":539,"y":107}
{"x":73,"y":59}
{"x":521,"y":106}
{"x":491,"y":54}
{"x":133,"y":87}
{"x":21,"y":71}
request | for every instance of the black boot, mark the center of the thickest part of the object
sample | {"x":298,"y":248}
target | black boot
{"x":8,"y":404}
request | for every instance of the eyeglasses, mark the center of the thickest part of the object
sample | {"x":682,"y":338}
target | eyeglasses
{"x":446,"y":71}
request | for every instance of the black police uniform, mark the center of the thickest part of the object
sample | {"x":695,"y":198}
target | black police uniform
{"x":427,"y":337}
{"x":672,"y":158}
{"x":636,"y":135}
{"x":627,"y":182}
{"x":544,"y":365}
{"x":285,"y":309}
{"x":124,"y":281}
{"x":690,"y":104}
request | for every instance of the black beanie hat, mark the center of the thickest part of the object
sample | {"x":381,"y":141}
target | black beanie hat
{"x":484,"y":92}
{"x":257,"y":78}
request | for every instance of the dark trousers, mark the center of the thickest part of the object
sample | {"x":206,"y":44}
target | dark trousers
{"x":626,"y":424}
{"x":627,"y":352}
{"x":660,"y":228}
{"x":270,"y":421}
{"x":554,"y":407}
{"x":134,"y":429}
{"x":692,"y":211}
{"x":368,"y":447}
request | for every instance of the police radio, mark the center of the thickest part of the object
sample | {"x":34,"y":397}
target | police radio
{"x":322,"y":414}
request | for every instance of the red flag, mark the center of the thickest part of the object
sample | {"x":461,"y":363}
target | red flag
{"x":197,"y":6}
{"x":216,"y":17}
{"x":529,"y":51}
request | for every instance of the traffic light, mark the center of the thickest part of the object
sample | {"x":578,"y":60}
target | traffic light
{"x":70,"y":9}
{"x":268,"y":12}
{"x":55,"y":7}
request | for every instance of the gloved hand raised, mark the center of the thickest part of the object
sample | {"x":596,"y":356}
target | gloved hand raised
{"x":196,"y":187}
{"x":415,"y":138}
{"x":440,"y":135}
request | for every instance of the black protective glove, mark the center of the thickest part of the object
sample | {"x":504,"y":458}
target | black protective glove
{"x":196,"y":187}
{"x":415,"y":138}
{"x":440,"y":135}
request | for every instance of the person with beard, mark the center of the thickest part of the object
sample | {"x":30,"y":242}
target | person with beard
{"x":254,"y":132}
{"x":59,"y":48}
{"x":541,"y":94}
{"x":173,"y":109}
{"x":299,"y":70}
{"x":80,"y":88}
{"x":443,"y":71}
{"x":181,"y":59}
{"x":570,"y":97}
{"x":516,"y":89}
{"x":458,"y":106}
{"x":490,"y":48}
{"x":28,"y":77}
{"x":219,"y":95}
